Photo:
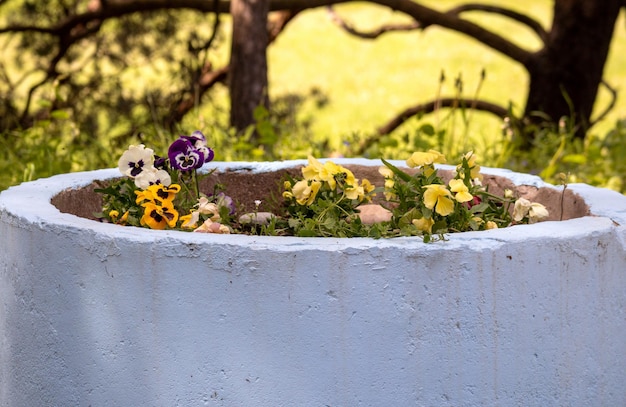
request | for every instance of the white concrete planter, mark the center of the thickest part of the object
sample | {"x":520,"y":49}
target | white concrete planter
{"x":94,"y":314}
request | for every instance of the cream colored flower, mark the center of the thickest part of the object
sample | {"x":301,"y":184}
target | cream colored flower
{"x":521,"y":208}
{"x":134,"y":160}
{"x":213,"y":227}
{"x":537,"y":212}
{"x":204,"y":208}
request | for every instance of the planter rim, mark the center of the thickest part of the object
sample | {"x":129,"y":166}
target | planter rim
{"x":30,"y":203}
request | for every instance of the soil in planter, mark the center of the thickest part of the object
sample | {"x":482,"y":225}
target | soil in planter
{"x":245,"y":186}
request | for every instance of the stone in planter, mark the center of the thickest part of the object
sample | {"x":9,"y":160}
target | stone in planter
{"x":98,"y":314}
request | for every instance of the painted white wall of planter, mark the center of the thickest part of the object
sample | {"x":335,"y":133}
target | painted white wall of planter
{"x":100,"y":315}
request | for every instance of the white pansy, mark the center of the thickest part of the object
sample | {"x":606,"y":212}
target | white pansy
{"x":152,"y":176}
{"x":134,"y":160}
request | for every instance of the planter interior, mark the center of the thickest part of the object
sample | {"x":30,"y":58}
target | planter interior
{"x":246,"y":186}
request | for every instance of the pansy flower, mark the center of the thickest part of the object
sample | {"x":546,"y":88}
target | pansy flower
{"x":158,"y":193}
{"x":461,"y":192}
{"x":152,"y":176}
{"x":212,"y":227}
{"x":430,"y":157}
{"x":305,"y":191}
{"x":535,"y":211}
{"x":439,"y":198}
{"x":389,"y":182}
{"x":204,"y":208}
{"x":134,"y":160}
{"x":368,"y":188}
{"x":198,"y":141}
{"x":424,"y":224}
{"x":183,"y":156}
{"x":225,"y":201}
{"x":159,"y":216}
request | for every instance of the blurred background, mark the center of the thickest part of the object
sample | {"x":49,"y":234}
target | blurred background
{"x":534,"y":86}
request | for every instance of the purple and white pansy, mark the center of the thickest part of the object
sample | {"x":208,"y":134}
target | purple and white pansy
{"x":190,"y":152}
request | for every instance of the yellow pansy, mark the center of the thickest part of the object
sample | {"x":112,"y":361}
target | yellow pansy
{"x":368,"y":188}
{"x":491,"y":225}
{"x":186,"y":221}
{"x":305,"y":191}
{"x":158,"y":192}
{"x":439,"y":198}
{"x":159,"y":217}
{"x":461,"y":191}
{"x":312,"y":171}
{"x":328,"y":172}
{"x":389,"y":182}
{"x":420,"y":159}
{"x":424,"y":224}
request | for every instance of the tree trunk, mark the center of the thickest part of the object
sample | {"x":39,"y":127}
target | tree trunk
{"x":566,"y":73}
{"x":248,"y":61}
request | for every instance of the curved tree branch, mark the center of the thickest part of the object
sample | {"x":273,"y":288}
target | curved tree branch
{"x":424,"y":15}
{"x":371,"y":35}
{"x":427,"y":16}
{"x":430,"y":107}
{"x":77,"y":26}
{"x":609,"y":107}
{"x":531,"y":23}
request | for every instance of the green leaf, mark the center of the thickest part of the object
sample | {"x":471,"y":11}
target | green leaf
{"x":428,"y":129}
{"x":575,"y":159}
{"x":401,"y":174}
{"x":60,"y":115}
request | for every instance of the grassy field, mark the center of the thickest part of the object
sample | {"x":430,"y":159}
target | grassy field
{"x":368,"y":82}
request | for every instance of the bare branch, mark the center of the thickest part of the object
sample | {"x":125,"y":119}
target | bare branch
{"x":187,"y":102}
{"x":609,"y":107}
{"x":531,"y":23}
{"x":216,"y":26}
{"x":426,"y":17}
{"x":430,"y":107}
{"x":209,"y":76}
{"x":336,"y":18}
